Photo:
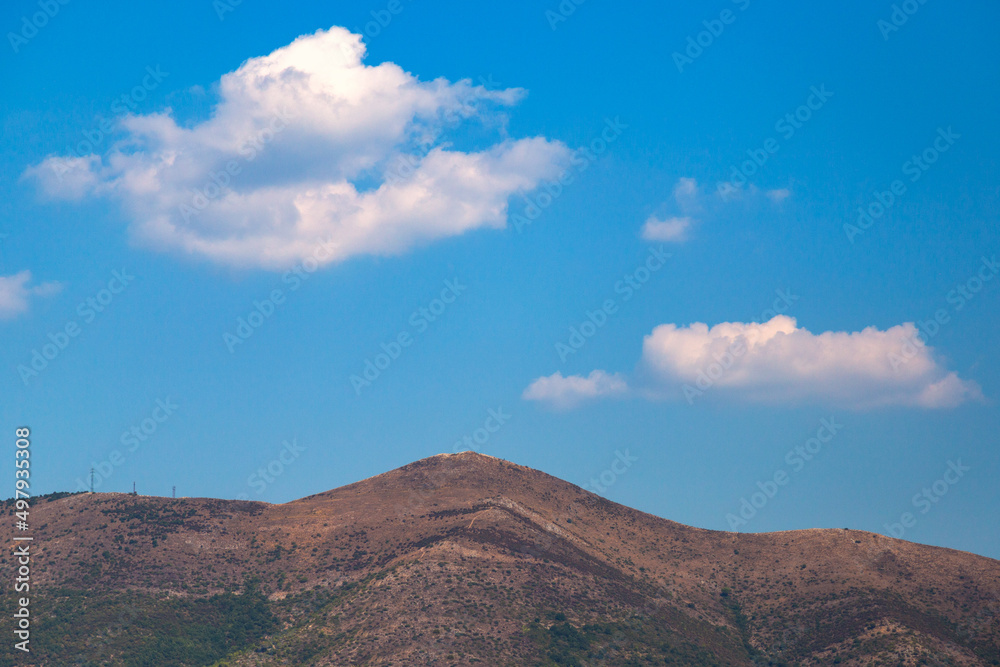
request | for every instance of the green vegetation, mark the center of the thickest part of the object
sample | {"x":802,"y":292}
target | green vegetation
{"x":635,"y":642}
{"x":48,"y":498}
{"x":140,"y":630}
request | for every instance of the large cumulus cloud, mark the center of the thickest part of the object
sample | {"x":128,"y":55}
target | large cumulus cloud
{"x":308,"y":147}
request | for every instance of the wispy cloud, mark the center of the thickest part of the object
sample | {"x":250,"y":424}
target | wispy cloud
{"x":686,"y":194}
{"x":751,"y":193}
{"x":671,"y":230}
{"x":16,"y":293}
{"x":779,"y":195}
{"x":692,"y":205}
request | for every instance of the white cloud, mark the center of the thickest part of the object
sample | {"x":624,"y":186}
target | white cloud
{"x":315,"y":143}
{"x":778,"y":362}
{"x":671,"y":230}
{"x":567,"y":392}
{"x":688,"y":199}
{"x":674,"y":229}
{"x":15,"y":293}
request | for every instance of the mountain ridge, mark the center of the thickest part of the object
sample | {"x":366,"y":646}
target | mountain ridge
{"x":489,"y":562}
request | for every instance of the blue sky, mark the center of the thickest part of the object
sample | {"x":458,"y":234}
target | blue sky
{"x":115,"y":119}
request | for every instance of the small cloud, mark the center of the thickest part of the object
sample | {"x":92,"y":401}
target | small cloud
{"x":672,"y":230}
{"x":675,"y":229}
{"x":567,"y":392}
{"x":15,"y":293}
{"x":779,"y":195}
{"x":727,"y":192}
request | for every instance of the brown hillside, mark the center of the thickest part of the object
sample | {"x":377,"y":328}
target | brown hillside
{"x":468,"y":559}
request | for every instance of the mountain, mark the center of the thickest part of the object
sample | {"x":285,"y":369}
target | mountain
{"x":465,"y":559}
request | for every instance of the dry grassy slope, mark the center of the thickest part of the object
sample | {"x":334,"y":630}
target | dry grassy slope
{"x":469,"y":549}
